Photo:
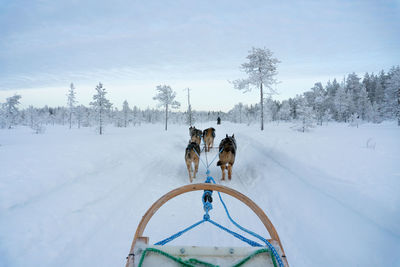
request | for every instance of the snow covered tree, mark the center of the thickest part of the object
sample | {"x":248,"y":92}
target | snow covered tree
{"x":373,"y":113}
{"x":353,"y":88}
{"x":284,"y":111}
{"x":37,"y":122}
{"x":369,"y":85}
{"x":10,"y":111}
{"x":354,"y":120}
{"x":3,"y":122}
{"x":271,"y":109}
{"x":79,"y":112}
{"x":342,"y":104}
{"x":331,"y":89}
{"x":392,"y":94}
{"x":305,"y":115}
{"x":71,"y":101}
{"x":137,"y":116}
{"x":30,"y":114}
{"x":293,"y":102}
{"x":237,"y":112}
{"x":166,"y":97}
{"x":317,"y":100}
{"x":261,"y":69}
{"x":363,"y":103}
{"x":189,"y":113}
{"x":101,"y":106}
{"x":381,"y":82}
{"x":126,"y":111}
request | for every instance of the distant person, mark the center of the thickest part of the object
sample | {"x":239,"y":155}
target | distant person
{"x":219,"y":120}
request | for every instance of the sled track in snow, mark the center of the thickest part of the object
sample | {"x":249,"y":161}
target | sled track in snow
{"x":262,"y":149}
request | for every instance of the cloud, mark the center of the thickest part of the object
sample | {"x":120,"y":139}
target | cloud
{"x":52,"y":43}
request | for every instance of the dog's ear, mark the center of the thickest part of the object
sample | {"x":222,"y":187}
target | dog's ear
{"x":233,"y":135}
{"x":226,"y":135}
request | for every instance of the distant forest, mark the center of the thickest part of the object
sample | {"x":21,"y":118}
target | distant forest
{"x":372,"y":98}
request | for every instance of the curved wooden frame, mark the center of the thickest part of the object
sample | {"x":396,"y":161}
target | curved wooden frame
{"x":197,"y":187}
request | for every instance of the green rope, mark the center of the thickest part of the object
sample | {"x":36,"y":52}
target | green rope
{"x":187,"y":263}
{"x":255,"y":253}
{"x":193,"y":262}
{"x":178,"y":260}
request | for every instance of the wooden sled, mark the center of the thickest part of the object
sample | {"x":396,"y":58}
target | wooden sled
{"x":223,"y":256}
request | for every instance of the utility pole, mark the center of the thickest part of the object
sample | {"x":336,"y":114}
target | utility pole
{"x":189,"y":108}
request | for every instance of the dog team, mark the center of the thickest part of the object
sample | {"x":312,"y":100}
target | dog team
{"x":227,"y":151}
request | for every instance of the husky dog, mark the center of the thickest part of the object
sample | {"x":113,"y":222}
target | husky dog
{"x":192,"y":154}
{"x":195,"y":135}
{"x":227,"y":147}
{"x":208,"y":138}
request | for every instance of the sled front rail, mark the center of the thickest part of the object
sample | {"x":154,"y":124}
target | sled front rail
{"x":139,"y":238}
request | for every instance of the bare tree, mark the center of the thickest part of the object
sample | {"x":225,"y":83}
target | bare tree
{"x":166,"y":98}
{"x":261,"y":69}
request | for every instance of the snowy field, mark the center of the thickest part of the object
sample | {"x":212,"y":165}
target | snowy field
{"x":74,"y":198}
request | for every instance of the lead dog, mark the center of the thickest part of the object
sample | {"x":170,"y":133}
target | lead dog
{"x":227,"y":147}
{"x":191,"y":157}
{"x":208,"y":138}
{"x":195,"y":135}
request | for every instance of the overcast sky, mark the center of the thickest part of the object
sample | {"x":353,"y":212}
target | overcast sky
{"x":133,"y":46}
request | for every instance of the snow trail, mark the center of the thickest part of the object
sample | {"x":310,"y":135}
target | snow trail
{"x":73,"y":198}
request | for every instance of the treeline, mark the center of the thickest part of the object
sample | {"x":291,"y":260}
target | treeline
{"x":83,"y":116}
{"x":373,"y":98}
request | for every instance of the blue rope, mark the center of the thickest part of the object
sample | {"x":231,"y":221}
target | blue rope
{"x":219,"y":152}
{"x":246,"y":230}
{"x":169,"y":239}
{"x":205,"y":165}
{"x":207,"y":219}
{"x":207,"y":206}
{"x":238,"y":236}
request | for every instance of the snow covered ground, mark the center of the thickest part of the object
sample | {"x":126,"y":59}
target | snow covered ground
{"x":74,"y":198}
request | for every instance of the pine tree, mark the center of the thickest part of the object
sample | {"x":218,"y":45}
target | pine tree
{"x":10,"y":111}
{"x":261,"y":69}
{"x":353,"y":88}
{"x":373,"y":113}
{"x":101,"y":106}
{"x":319,"y":101}
{"x":126,"y":111}
{"x":369,"y":86}
{"x":364,"y":105}
{"x":342,"y":104}
{"x":71,"y":101}
{"x":284,"y":111}
{"x":392,"y":95}
{"x":137,"y":116}
{"x":306,"y":116}
{"x":79,"y":111}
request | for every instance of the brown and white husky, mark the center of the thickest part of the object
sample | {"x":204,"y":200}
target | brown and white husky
{"x":208,"y":138}
{"x":227,"y":147}
{"x":191,"y":157}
